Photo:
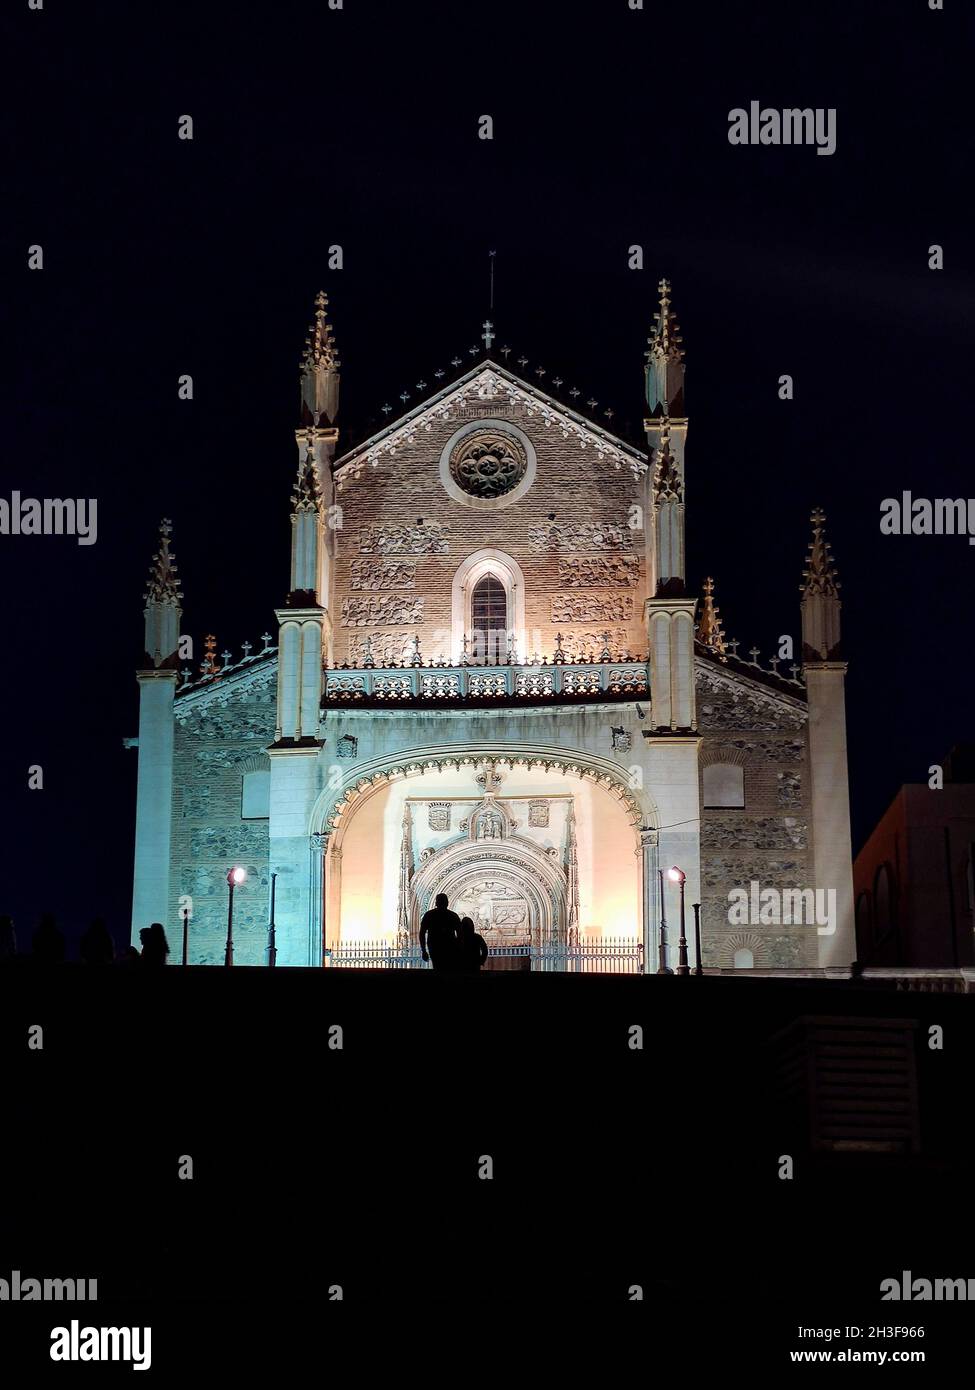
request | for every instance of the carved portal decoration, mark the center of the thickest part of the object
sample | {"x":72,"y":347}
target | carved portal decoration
{"x":383,"y":574}
{"x":438,"y":815}
{"x":386,"y":611}
{"x":592,"y":608}
{"x":488,"y":463}
{"x":538,"y":814}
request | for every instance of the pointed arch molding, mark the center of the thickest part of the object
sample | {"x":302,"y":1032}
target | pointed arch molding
{"x":334,"y":810}
{"x":475,"y":567}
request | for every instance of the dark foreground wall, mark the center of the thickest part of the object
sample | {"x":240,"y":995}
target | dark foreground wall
{"x":615,"y":1169}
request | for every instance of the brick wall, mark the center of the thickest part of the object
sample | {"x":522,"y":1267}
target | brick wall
{"x":393,"y":572}
{"x":767,"y":839}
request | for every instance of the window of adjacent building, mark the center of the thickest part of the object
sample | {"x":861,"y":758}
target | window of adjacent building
{"x":489,"y":619}
{"x":724,"y":785}
{"x":744,"y":958}
{"x":255,"y":801}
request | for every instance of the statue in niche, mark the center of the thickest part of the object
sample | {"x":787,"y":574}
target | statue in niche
{"x":490,"y":826}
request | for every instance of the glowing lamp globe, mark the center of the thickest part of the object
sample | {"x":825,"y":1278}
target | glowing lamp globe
{"x":237,"y":876}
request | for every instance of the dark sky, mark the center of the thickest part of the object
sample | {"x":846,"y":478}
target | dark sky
{"x":359,"y":127}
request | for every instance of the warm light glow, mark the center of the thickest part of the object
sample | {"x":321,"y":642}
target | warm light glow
{"x":676,"y":875}
{"x":237,"y":876}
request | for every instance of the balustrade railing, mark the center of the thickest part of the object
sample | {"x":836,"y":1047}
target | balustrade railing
{"x":516,"y":682}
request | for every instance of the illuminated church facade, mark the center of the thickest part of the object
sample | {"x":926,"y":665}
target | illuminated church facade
{"x":491,"y":679}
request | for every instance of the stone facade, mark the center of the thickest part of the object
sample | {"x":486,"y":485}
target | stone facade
{"x":768,"y":838}
{"x":217,"y":741}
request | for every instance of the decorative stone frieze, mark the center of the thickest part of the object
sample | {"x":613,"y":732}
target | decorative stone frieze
{"x":426,"y":538}
{"x":584,"y":572}
{"x":567,"y":536}
{"x":387,"y":611}
{"x":592,"y":608}
{"x":383,"y":574}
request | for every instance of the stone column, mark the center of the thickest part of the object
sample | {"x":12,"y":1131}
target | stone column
{"x":650,"y":892}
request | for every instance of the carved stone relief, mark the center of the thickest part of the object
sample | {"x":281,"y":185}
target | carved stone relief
{"x":388,"y":649}
{"x":383,"y":574}
{"x":563,"y":535}
{"x":592,"y":608}
{"x":426,"y":538}
{"x":583,"y":572}
{"x":381,"y":612}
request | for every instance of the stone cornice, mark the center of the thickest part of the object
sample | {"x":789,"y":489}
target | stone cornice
{"x":249,"y":675}
{"x":753,"y":686}
{"x":489,"y":382}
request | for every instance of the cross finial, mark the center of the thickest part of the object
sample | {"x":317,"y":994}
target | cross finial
{"x":165,"y":527}
{"x":246,"y":648}
{"x":489,"y":334}
{"x":753,"y":653}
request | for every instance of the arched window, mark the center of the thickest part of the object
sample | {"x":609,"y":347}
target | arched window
{"x":489,"y":620}
{"x":744,"y":958}
{"x":724,"y":785}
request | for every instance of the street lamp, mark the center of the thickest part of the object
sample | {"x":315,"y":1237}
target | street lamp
{"x":698,"y":967}
{"x":272,"y":947}
{"x":678,"y":876}
{"x":662,"y":968}
{"x":235,"y":877}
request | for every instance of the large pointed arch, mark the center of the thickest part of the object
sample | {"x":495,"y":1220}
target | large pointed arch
{"x":333,"y":809}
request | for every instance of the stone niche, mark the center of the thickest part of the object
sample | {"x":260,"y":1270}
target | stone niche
{"x":597,"y":572}
{"x":383,"y":574}
{"x":388,"y":611}
{"x":592,"y":608}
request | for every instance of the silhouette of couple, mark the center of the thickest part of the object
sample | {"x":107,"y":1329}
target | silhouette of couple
{"x":449,"y":942}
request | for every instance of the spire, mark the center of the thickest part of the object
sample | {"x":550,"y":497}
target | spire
{"x":162,"y":598}
{"x":163,"y":581}
{"x":820,"y":598}
{"x":710,"y":631}
{"x":819,"y":576}
{"x":307,"y":494}
{"x":667,"y":484}
{"x":319,"y":370}
{"x":665,"y":361}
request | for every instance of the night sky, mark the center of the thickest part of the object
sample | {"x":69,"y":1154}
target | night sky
{"x":359,"y":128}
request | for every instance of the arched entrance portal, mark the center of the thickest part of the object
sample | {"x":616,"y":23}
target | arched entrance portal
{"x":515,"y":894}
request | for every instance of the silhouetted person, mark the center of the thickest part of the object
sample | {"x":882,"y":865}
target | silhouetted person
{"x":8,"y":940}
{"x":129,"y":956}
{"x":472,"y":949}
{"x":155,"y":947}
{"x":438,"y":935}
{"x":97,"y":946}
{"x":47,"y":943}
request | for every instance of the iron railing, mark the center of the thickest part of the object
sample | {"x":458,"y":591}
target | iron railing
{"x":586,"y":956}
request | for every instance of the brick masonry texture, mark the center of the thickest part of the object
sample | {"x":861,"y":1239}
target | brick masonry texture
{"x":212,"y":752}
{"x":768,"y":839}
{"x":590,"y":499}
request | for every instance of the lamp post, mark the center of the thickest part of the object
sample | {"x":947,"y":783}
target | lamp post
{"x":186,"y":935}
{"x":235,"y":876}
{"x":698,"y":967}
{"x":662,"y":949}
{"x":678,"y":876}
{"x":272,"y":950}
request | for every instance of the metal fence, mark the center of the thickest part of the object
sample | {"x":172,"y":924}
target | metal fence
{"x":586,"y":956}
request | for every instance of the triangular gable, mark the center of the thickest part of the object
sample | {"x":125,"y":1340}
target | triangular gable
{"x":490,"y":382}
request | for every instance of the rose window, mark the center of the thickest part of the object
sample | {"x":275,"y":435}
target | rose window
{"x":488,"y":464}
